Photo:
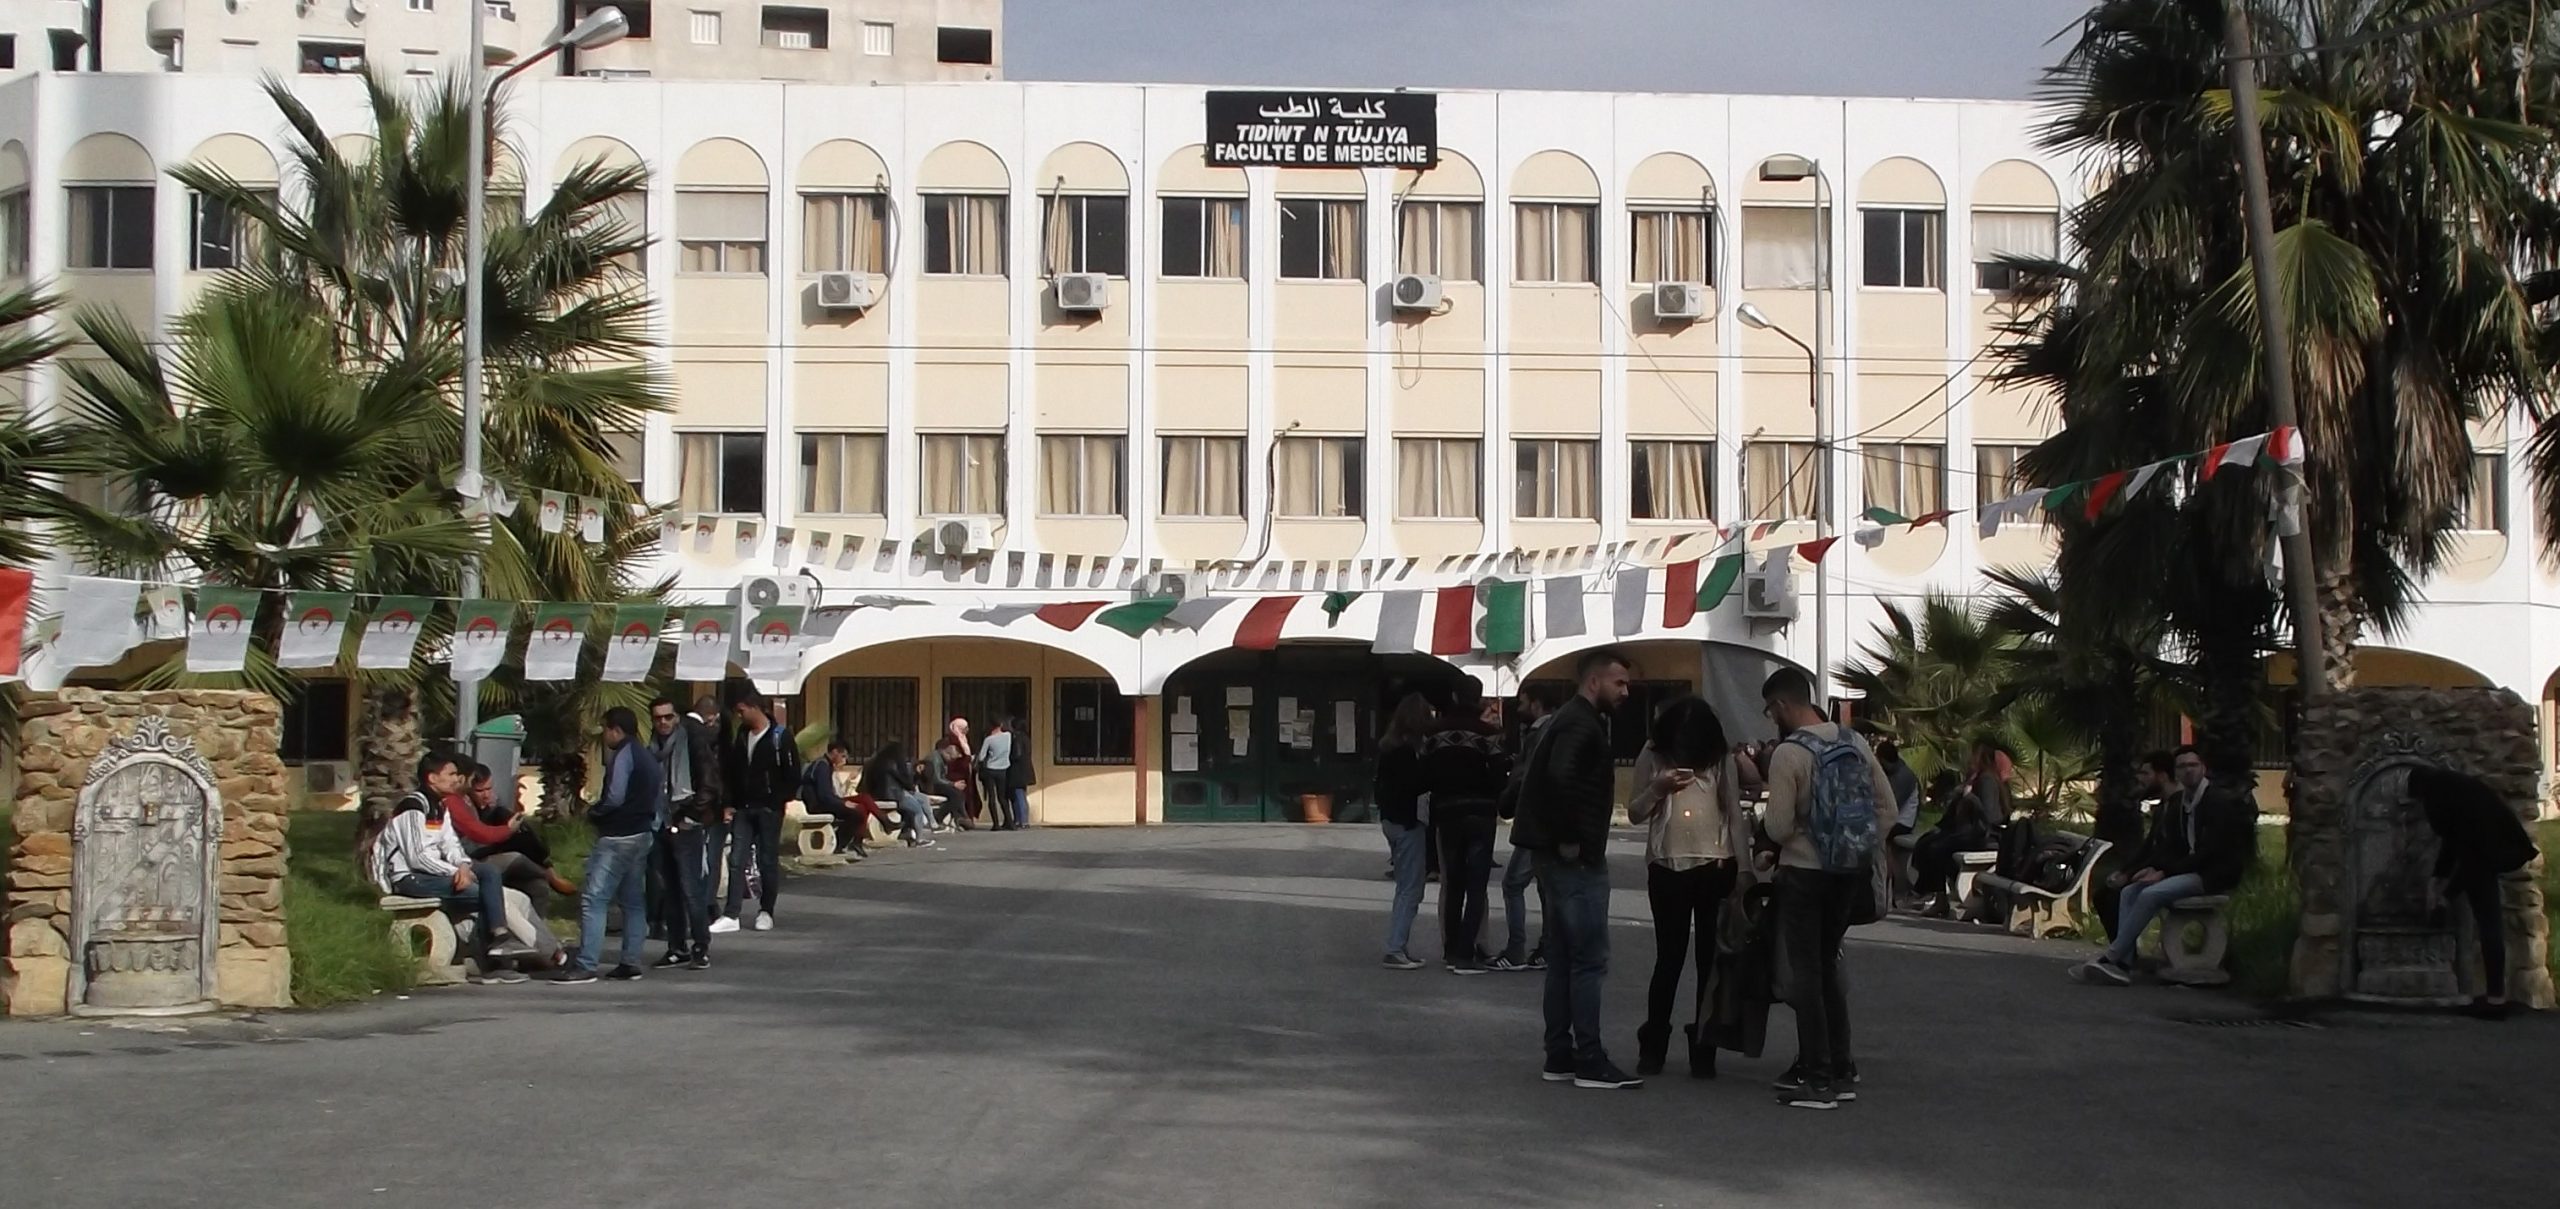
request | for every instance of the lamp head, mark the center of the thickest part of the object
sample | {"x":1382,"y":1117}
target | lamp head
{"x":600,"y":27}
{"x":1753,"y":317}
{"x":1779,"y":169}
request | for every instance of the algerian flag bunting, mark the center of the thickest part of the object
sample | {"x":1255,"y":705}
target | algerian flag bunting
{"x":1721,"y":576}
{"x":704,"y":652}
{"x":559,"y":633}
{"x":218,"y":639}
{"x":634,"y":646}
{"x":1502,"y":625}
{"x":480,"y":637}
{"x":554,"y":515}
{"x":773,"y":641}
{"x":590,"y":518}
{"x":390,"y":634}
{"x":315,"y":627}
{"x":98,"y":623}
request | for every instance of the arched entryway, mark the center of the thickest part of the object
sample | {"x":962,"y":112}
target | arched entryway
{"x":1251,"y":736}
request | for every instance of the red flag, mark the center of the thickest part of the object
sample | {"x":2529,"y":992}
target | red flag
{"x":1069,"y":616}
{"x":2285,"y":445}
{"x":1679,"y":594}
{"x":1813,"y":551}
{"x":2213,"y":459}
{"x":15,"y":585}
{"x":2105,"y":489}
{"x":1938,"y":517}
{"x":1453,"y":616}
{"x":1260,"y":629}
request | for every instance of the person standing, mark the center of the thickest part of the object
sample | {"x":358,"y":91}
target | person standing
{"x":995,"y":772}
{"x":617,"y":868}
{"x":763,"y":767}
{"x":1024,"y":773}
{"x":1695,"y":835}
{"x":1536,"y":706}
{"x":1398,"y":788}
{"x":683,"y":748}
{"x":1464,"y":767}
{"x":1830,"y":806}
{"x":2479,"y":840}
{"x":2203,"y":839}
{"x":705,"y":718}
{"x":1567,"y":797}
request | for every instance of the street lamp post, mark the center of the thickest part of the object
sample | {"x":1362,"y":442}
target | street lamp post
{"x":1787,"y":169}
{"x":600,"y":27}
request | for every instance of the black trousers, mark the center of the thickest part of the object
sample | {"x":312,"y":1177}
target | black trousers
{"x":755,"y":836}
{"x":524,"y":841}
{"x":1466,"y":868}
{"x":1686,"y":905}
{"x":1813,"y":914}
{"x":2480,"y":890}
{"x":1933,"y":857}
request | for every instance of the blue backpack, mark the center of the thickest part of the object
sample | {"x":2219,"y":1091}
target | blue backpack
{"x":1842,"y":821}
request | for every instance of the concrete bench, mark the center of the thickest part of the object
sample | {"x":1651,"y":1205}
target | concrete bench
{"x":2038,"y":913}
{"x":1969,"y":867}
{"x":2198,"y":964}
{"x":813,"y":835}
{"x":449,"y":957}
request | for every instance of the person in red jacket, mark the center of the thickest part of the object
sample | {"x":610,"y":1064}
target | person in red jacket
{"x":506,"y":840}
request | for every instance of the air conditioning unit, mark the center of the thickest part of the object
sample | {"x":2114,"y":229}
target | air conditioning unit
{"x":1679,"y":300}
{"x":1083,"y":293}
{"x":1769,"y":591}
{"x":1415,"y":292}
{"x":965,"y":537}
{"x":327,"y":776}
{"x":848,"y":291}
{"x":759,"y":592}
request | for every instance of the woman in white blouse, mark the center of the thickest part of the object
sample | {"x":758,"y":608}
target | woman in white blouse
{"x":1688,"y":795}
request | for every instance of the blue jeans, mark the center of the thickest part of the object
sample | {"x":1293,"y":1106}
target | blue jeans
{"x":1516,"y":877}
{"x":1575,"y":899}
{"x":1021,"y":799}
{"x":2138,"y":904}
{"x":486,"y":900}
{"x":617,"y":872}
{"x":1404,"y":852}
{"x":919,"y":814}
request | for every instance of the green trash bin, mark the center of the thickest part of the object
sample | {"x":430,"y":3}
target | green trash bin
{"x":496,"y":745}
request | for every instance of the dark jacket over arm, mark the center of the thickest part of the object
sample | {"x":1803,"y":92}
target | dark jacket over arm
{"x":1570,"y":793}
{"x":1398,"y":782}
{"x":1464,"y":768}
{"x":2476,"y":832}
{"x":2226,"y":841}
{"x":765,"y":776}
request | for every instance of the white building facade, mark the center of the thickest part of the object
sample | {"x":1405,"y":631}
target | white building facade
{"x":1249,"y":410}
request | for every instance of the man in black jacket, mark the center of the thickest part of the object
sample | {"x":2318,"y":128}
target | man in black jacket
{"x":1464,"y":768}
{"x":763,"y":767}
{"x":685,"y":750}
{"x":2203,"y":839}
{"x":1566,"y":799}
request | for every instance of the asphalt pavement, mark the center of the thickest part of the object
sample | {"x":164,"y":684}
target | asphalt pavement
{"x":1195,"y":1016}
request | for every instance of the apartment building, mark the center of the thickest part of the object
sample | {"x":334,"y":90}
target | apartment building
{"x":1050,"y":314}
{"x":832,"y":41}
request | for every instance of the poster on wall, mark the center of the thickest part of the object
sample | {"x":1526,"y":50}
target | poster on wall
{"x":1323,"y":129}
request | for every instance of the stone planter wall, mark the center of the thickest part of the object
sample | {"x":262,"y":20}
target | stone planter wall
{"x":236,"y":735}
{"x":2353,"y":743}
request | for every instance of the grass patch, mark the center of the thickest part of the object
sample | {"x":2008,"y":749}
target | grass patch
{"x":342,"y":946}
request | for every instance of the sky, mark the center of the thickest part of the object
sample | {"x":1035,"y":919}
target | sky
{"x":1916,"y":48}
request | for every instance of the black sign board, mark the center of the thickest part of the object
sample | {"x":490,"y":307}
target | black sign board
{"x":1324,"y":129}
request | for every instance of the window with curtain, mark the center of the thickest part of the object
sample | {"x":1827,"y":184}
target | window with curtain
{"x":1204,"y":237}
{"x":1318,"y":476}
{"x":720,"y":232}
{"x":110,"y":227}
{"x":13,"y":233}
{"x":1441,"y":238}
{"x":218,"y":237}
{"x":1995,"y":473}
{"x":629,"y":453}
{"x":1671,"y":480}
{"x":1907,"y":480}
{"x":1436,"y":477}
{"x":1778,"y":480}
{"x":1080,"y":475}
{"x":843,"y":473}
{"x":1096,"y":724}
{"x":872,"y":712}
{"x":1781,"y":247}
{"x":1203,"y":476}
{"x":720,"y":472}
{"x":2035,"y":234}
{"x":1906,"y":249}
{"x":1320,"y":239}
{"x":1558,"y":479}
{"x":1556,"y":242}
{"x":1672,"y":245}
{"x":1086,"y":234}
{"x":962,"y":474}
{"x":964,"y":235}
{"x":2484,"y":507}
{"x":627,"y":217}
{"x":844,"y":233}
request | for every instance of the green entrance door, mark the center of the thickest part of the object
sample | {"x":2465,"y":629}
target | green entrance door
{"x":1251,"y":736}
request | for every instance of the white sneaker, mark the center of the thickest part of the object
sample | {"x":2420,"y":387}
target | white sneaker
{"x":725,"y":924}
{"x":764,"y":921}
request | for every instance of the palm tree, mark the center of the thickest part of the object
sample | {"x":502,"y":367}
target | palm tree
{"x":34,"y":459}
{"x":371,"y":256}
{"x":2408,"y":187}
{"x":1935,"y":680}
{"x":2100,"y":689}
